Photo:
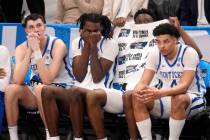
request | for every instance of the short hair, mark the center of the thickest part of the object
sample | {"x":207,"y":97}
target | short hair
{"x":33,"y":17}
{"x":166,"y":29}
{"x":144,"y":11}
{"x":96,"y":18}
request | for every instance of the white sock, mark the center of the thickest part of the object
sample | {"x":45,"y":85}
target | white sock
{"x":104,"y":138}
{"x":77,"y":138}
{"x":175,"y":127}
{"x":47,"y":134}
{"x":144,"y":128}
{"x":13,"y":132}
{"x":55,"y":138}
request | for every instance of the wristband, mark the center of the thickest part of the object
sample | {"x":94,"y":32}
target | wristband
{"x":37,"y":55}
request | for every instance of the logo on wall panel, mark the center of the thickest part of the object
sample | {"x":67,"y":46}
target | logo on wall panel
{"x":138,"y":45}
{"x":124,"y":32}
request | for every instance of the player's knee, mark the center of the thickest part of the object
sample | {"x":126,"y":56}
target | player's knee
{"x":179,"y":102}
{"x":11,"y":92}
{"x":91,"y":98}
{"x":46,"y":93}
{"x":76,"y":96}
{"x":136,"y":103}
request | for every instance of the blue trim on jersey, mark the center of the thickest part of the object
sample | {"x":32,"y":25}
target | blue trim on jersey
{"x":46,"y":46}
{"x":161,"y":107}
{"x":171,"y":65}
{"x":159,"y":61}
{"x":68,"y":70}
{"x":195,"y":99}
{"x":197,"y":81}
{"x":115,"y":65}
{"x":183,"y":56}
{"x":106,"y":79}
{"x":197,"y":106}
{"x":52,"y":46}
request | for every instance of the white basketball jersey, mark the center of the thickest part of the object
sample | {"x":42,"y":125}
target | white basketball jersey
{"x":65,"y":77}
{"x":169,"y":74}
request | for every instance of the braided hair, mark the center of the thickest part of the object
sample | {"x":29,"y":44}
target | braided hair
{"x":96,"y":18}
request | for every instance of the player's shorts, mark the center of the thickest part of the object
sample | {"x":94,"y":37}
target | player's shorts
{"x":114,"y":103}
{"x":162,"y":106}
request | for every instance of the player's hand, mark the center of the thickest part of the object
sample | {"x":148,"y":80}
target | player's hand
{"x":85,"y":35}
{"x":174,"y":21}
{"x":34,"y":41}
{"x":2,"y":73}
{"x":150,"y":94}
{"x":95,"y":37}
{"x":120,"y":21}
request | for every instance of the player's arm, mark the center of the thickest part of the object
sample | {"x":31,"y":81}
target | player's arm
{"x":22,"y":56}
{"x":186,"y":38}
{"x":187,"y":75}
{"x":80,"y":57}
{"x":100,"y":66}
{"x":48,"y":73}
{"x":5,"y":67}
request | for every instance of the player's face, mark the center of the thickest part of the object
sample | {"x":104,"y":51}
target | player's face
{"x":36,"y":26}
{"x":167,"y":45}
{"x":91,"y":27}
{"x":143,"y":19}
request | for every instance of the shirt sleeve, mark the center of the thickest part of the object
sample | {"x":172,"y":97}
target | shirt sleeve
{"x":5,"y":64}
{"x":76,"y":48}
{"x":153,"y":59}
{"x":190,"y":59}
{"x":110,"y":50}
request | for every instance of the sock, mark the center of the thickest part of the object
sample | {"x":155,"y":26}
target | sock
{"x":77,"y":138}
{"x":175,"y":127}
{"x":13,"y":132}
{"x":104,"y":138}
{"x":55,"y":138}
{"x":144,"y":128}
{"x":47,"y":134}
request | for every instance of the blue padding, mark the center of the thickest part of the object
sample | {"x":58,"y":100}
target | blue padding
{"x":205,"y":70}
{"x":1,"y":109}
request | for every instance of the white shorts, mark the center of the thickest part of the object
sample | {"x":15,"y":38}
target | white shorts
{"x":114,"y":102}
{"x":162,"y":107}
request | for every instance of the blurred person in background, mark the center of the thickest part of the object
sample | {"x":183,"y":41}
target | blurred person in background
{"x":194,"y":12}
{"x":68,"y":11}
{"x":120,"y":11}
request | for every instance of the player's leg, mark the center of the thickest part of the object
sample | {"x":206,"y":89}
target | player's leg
{"x":77,"y":103}
{"x":37,"y":91}
{"x":15,"y":95}
{"x":128,"y":110}
{"x":98,"y":100}
{"x":179,"y":105}
{"x":49,"y":96}
{"x":142,"y":117}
